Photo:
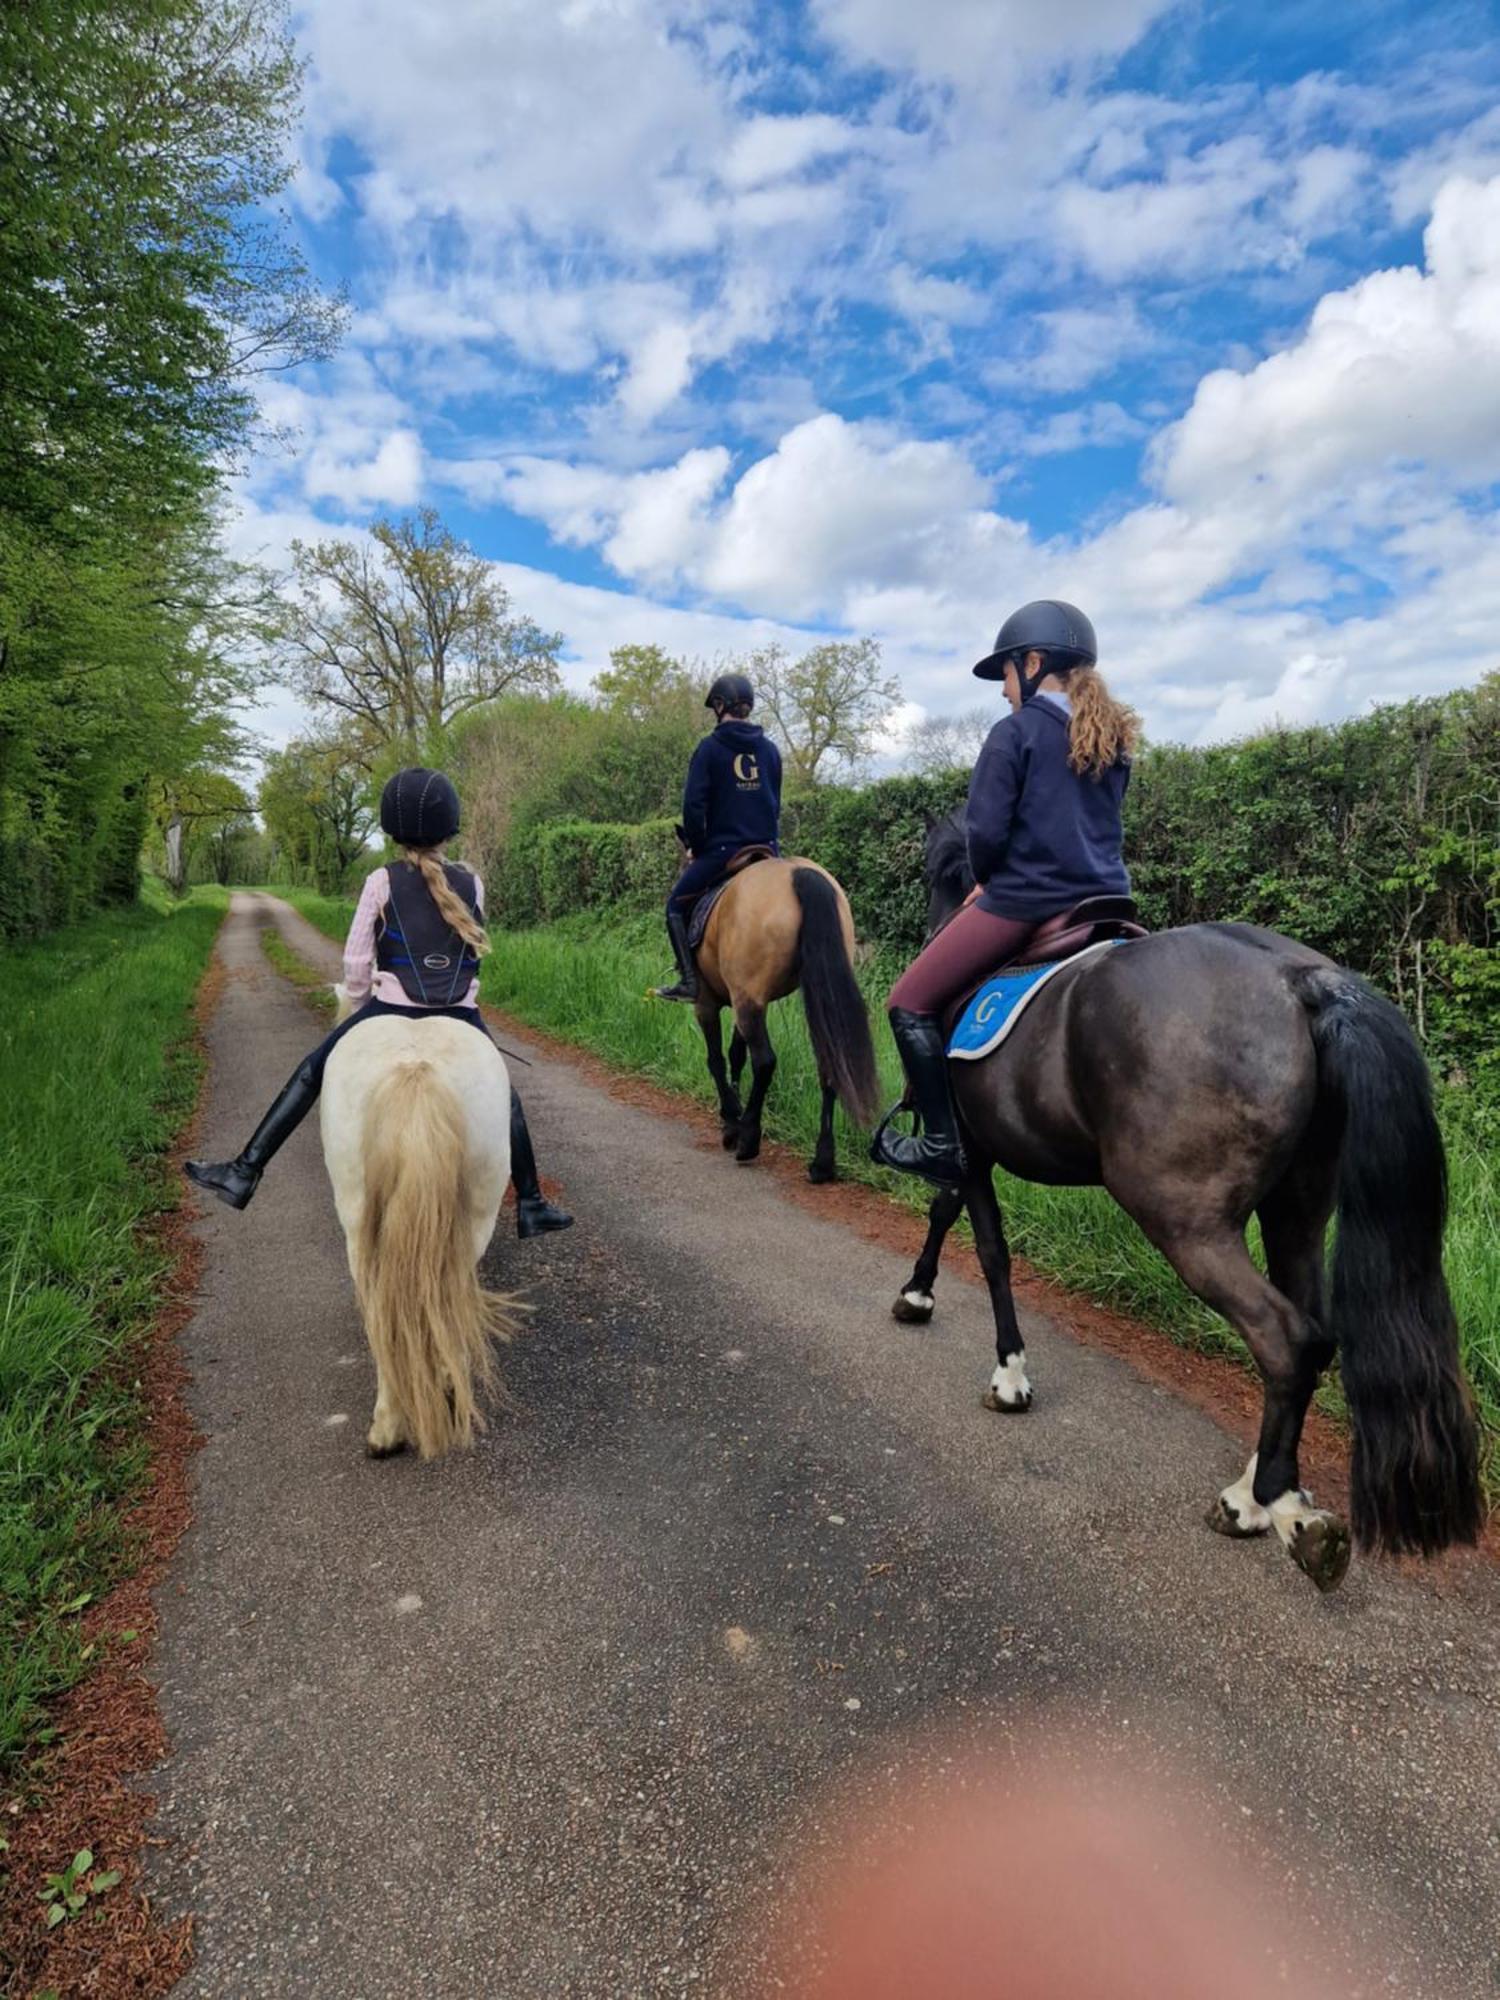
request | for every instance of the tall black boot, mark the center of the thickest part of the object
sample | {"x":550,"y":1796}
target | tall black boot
{"x":687,"y":973}
{"x":235,"y":1181}
{"x":938,"y":1155}
{"x":534,"y":1213}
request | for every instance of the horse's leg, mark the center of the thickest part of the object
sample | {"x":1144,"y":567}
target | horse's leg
{"x":823,"y":1166}
{"x":1290,"y":1350}
{"x":1009,"y":1390}
{"x":914,"y":1301}
{"x":708,"y":1011}
{"x":387,"y":1434}
{"x":737,"y":1054}
{"x":750,"y":1019}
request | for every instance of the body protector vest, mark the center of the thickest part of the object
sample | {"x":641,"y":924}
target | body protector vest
{"x":416,"y":942}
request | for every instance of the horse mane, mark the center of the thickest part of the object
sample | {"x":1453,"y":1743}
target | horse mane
{"x":946,"y":859}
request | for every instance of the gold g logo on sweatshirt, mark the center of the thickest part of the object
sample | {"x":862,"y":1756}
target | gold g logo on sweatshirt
{"x":746,"y":769}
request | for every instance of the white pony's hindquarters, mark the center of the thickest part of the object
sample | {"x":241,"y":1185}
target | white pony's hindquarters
{"x":416,"y":1136}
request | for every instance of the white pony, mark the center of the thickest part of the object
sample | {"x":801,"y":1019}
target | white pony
{"x":416,"y":1137}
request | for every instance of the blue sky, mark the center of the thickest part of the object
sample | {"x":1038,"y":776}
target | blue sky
{"x":713,"y":323}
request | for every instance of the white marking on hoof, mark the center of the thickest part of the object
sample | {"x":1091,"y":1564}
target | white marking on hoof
{"x":919,"y":1301}
{"x":1009,"y":1388}
{"x":1237,"y":1512}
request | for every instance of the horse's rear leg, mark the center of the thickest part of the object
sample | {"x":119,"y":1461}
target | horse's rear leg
{"x":1009,"y":1390}
{"x":710,"y":1021}
{"x":823,"y":1166}
{"x":750,"y":1019}
{"x":1290,"y":1350}
{"x":387,"y":1434}
{"x":914,"y":1300}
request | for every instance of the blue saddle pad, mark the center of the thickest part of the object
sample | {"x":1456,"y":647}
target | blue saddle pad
{"x":1002,"y":999}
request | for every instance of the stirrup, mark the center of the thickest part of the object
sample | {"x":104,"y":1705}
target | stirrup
{"x":943,"y":1166}
{"x":680,"y":991}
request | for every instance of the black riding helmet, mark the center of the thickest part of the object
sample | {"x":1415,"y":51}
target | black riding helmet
{"x":1048,"y":626}
{"x":419,"y":808}
{"x":730,"y":691}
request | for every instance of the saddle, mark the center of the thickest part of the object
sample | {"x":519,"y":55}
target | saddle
{"x":1089,"y":922}
{"x":703,"y":909}
{"x":980,"y":1019}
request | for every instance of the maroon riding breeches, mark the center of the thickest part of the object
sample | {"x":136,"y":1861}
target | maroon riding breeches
{"x":958,"y":958}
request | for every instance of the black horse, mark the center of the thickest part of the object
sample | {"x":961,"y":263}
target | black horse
{"x":1203,"y":1075}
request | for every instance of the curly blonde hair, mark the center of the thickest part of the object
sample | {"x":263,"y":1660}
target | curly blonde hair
{"x":454,"y":910}
{"x":1101,"y":730}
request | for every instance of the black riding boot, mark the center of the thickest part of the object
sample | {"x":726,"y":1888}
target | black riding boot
{"x":534,"y":1213}
{"x":938,"y":1155}
{"x":687,"y":973}
{"x":235,"y":1181}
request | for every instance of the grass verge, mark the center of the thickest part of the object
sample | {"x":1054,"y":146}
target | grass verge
{"x":101,"y":1069}
{"x":587,"y":983}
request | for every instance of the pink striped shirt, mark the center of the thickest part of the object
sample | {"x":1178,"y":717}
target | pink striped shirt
{"x":362,"y":980}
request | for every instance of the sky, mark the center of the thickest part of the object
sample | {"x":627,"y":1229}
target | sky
{"x":710,"y":324}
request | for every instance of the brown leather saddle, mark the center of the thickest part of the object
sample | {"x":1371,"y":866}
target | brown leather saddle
{"x":1096,"y":920}
{"x":1092,"y":921}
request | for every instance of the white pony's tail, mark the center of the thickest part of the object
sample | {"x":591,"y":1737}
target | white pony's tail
{"x":431,"y":1324}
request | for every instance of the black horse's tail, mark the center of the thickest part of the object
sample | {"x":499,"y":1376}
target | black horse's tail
{"x":1414,"y":1479}
{"x":836,"y":1016}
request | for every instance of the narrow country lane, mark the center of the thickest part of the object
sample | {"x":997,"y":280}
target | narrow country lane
{"x":540,"y":1720}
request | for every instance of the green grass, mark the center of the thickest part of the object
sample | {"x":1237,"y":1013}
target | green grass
{"x":586,"y":983}
{"x":100,"y":1073}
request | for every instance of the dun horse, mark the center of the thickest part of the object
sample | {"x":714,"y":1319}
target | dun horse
{"x":1204,"y":1075}
{"x":780,"y":924}
{"x":416,"y":1136}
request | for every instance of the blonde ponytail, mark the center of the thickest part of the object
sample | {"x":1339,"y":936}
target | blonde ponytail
{"x":1101,"y":730}
{"x":453,"y":909}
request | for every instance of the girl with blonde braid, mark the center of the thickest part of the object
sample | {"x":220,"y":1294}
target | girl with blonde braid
{"x":413,"y":948}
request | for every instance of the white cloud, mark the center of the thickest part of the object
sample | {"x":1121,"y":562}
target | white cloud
{"x":971,"y":41}
{"x":1401,"y":369}
{"x":392,"y":477}
{"x":772,"y":149}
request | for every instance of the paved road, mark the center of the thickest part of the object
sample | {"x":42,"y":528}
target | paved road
{"x":541,"y":1720}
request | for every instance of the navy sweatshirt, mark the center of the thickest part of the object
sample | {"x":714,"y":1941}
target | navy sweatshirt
{"x":1042,"y":837}
{"x":733,"y":793}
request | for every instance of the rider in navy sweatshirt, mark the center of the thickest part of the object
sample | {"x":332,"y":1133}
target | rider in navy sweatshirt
{"x":732,"y":799}
{"x":1044,"y":834}
{"x":1066,"y":844}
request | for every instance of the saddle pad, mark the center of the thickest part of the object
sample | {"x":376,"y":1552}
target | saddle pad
{"x":1000,"y":1002}
{"x":703,"y":909}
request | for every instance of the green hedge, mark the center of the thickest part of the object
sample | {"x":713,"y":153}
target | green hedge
{"x":1376,"y":840}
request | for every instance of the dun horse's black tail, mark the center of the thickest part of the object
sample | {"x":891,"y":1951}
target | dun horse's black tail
{"x":1414,"y":1478}
{"x":836,"y":1016}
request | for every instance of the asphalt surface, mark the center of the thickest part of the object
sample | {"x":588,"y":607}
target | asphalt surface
{"x":559,"y":1716}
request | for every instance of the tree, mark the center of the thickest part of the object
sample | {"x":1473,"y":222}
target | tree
{"x":317,"y":804}
{"x":826,"y":708}
{"x":145,"y":281}
{"x":640,"y":681}
{"x":408,"y":632}
{"x":194,"y":808}
{"x":948,"y":742}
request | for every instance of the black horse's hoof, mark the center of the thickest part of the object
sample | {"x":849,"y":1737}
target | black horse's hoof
{"x":748,"y":1148}
{"x":729,"y":1137}
{"x":913,"y":1308}
{"x":386,"y":1450}
{"x":821,"y":1172}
